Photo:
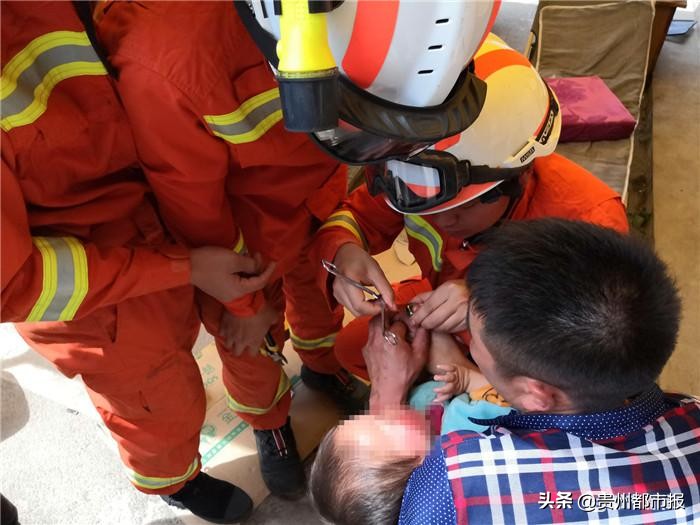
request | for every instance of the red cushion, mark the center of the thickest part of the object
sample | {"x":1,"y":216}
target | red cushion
{"x":590,"y":111}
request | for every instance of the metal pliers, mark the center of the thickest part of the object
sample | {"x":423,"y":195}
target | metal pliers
{"x":389,"y":336}
{"x":271,"y":350}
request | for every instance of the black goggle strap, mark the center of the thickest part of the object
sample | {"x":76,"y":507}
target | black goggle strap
{"x":511,"y":188}
{"x":414,"y":124}
{"x":481,"y":174}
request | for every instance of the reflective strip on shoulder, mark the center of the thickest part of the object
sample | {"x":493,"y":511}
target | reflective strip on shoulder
{"x":312,"y":344}
{"x":282,"y":388}
{"x":345,"y":219}
{"x":155,"y":483}
{"x":65,"y":279}
{"x":30,"y":76}
{"x":422,"y":231}
{"x":250,"y":121}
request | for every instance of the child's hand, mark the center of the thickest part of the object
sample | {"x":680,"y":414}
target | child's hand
{"x":456,"y":379}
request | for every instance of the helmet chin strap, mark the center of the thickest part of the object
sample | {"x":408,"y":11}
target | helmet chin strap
{"x":513,"y":189}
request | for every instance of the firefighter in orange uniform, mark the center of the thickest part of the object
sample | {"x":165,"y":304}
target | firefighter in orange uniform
{"x":492,"y":180}
{"x":205,"y":111}
{"x":90,"y":276}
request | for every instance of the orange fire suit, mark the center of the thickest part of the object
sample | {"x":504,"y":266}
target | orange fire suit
{"x":205,"y":111}
{"x":88,"y":273}
{"x":556,"y":187}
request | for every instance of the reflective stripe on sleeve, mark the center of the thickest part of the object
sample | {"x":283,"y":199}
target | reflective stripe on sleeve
{"x":30,"y":76}
{"x":362,"y":380}
{"x":422,"y":231}
{"x":282,"y":388}
{"x":240,"y":247}
{"x":312,"y":344}
{"x":65,"y":279}
{"x":250,"y":121}
{"x":345,"y":219}
{"x":155,"y":483}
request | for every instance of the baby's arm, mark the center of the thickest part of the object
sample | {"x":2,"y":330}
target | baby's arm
{"x":444,"y":349}
{"x":458,"y":379}
{"x":450,"y":365}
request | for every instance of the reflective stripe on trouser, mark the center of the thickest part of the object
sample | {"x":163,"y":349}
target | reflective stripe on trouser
{"x":257,"y":388}
{"x":283,"y":387}
{"x":254,"y":381}
{"x":418,"y":228}
{"x":353,"y":337}
{"x":65,"y":279}
{"x":300,"y":343}
{"x":156,"y":483}
{"x":250,"y":121}
{"x":240,"y":246}
{"x":136,"y":361}
{"x":30,"y":76}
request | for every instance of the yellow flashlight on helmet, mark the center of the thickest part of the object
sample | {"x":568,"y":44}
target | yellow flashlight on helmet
{"x":307,"y":72}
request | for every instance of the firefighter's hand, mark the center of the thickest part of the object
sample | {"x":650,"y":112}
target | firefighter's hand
{"x":355,"y":263}
{"x":246,"y":334}
{"x":443,"y":309}
{"x":393,"y":369}
{"x":226,"y":275}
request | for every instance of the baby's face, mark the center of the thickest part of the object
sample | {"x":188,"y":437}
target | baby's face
{"x":390,"y":435}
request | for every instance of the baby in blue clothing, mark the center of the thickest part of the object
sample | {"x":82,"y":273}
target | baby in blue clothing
{"x":364,"y":463}
{"x":459,"y":391}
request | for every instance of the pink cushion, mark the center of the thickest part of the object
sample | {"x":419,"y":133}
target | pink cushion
{"x":590,"y":111}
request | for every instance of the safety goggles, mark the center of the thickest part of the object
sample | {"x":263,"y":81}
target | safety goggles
{"x":372,"y":129}
{"x":429,"y":179}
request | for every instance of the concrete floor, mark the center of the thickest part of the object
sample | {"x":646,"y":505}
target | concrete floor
{"x":59,"y":467}
{"x":677,"y":194}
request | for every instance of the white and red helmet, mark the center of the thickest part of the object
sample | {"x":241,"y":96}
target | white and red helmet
{"x":519,"y":121}
{"x":404,"y":76}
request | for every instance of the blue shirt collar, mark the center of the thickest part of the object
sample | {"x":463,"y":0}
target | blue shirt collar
{"x":596,"y":426}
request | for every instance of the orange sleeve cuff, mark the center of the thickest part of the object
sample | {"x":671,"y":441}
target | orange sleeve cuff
{"x":246,"y":306}
{"x":175,"y":270}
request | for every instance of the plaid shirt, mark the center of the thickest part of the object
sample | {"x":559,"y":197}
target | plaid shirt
{"x":637,"y":464}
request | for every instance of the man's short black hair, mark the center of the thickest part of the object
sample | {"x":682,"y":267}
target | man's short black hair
{"x":575,"y":305}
